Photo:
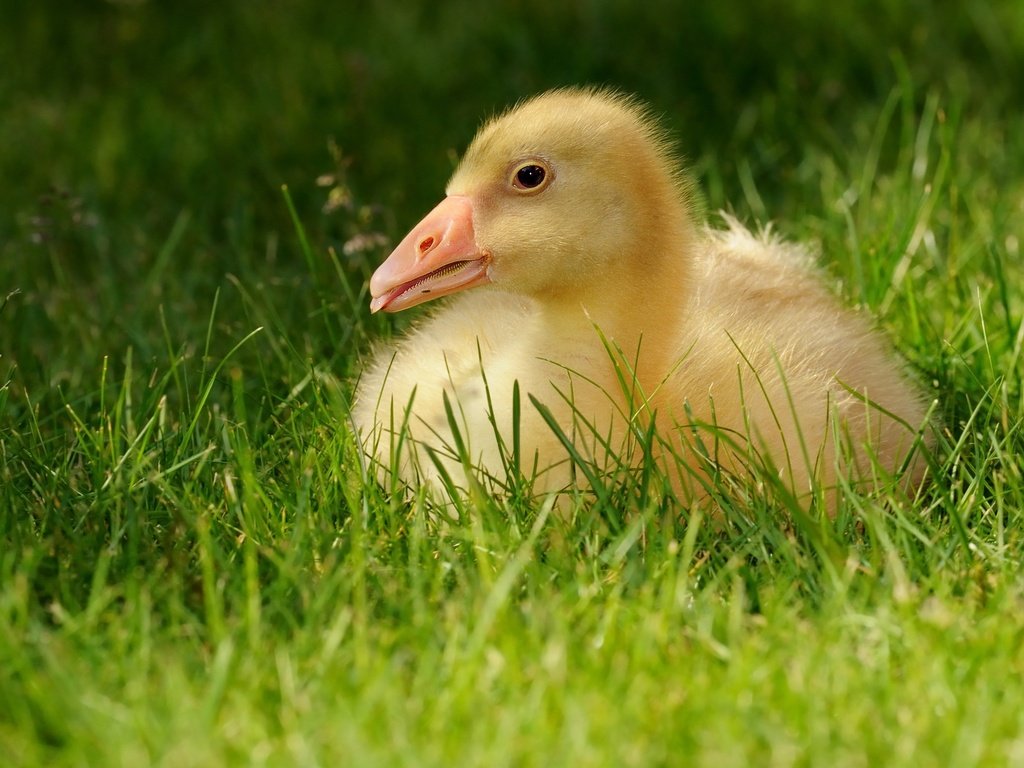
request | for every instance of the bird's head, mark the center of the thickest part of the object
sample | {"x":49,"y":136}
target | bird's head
{"x":569,"y":189}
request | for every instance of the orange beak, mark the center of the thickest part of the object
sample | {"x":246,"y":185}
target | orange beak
{"x":438,"y":257}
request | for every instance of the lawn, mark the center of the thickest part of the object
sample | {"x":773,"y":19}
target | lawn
{"x":194,"y":567}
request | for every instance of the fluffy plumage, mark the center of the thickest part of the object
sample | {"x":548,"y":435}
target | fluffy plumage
{"x":727,"y":339}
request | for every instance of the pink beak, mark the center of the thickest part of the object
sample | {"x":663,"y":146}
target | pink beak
{"x":438,"y":257}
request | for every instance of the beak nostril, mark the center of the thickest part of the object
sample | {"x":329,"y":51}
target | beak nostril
{"x":426,"y":245}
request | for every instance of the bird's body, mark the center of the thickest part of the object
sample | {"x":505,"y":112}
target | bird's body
{"x":611,"y":307}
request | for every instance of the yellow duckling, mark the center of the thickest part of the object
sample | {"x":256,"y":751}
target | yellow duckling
{"x":598,"y":295}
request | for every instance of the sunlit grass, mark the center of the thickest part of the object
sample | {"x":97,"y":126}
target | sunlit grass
{"x":197,"y":566}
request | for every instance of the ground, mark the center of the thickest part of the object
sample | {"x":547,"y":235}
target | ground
{"x":195,"y":568}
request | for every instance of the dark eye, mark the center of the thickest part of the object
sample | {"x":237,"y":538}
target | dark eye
{"x":530,"y":176}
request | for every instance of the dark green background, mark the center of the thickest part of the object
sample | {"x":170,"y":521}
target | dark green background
{"x":143,"y":145}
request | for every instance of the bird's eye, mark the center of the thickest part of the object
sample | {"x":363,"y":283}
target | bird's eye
{"x":530,"y":177}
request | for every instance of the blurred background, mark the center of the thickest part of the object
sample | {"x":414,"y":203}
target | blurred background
{"x":143,"y":145}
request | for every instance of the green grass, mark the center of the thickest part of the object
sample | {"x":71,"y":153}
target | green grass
{"x":194,"y":569}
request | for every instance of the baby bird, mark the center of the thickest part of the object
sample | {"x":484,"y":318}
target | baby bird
{"x":591,"y":307}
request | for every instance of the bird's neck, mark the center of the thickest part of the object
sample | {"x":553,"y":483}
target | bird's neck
{"x":637,"y":310}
